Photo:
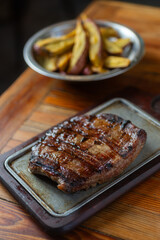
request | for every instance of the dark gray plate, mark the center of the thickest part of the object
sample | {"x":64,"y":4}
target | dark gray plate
{"x":134,"y":52}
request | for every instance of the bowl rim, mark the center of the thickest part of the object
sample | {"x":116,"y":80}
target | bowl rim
{"x":32,"y":63}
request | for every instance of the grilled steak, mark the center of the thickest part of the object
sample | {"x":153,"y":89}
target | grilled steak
{"x":87,"y":150}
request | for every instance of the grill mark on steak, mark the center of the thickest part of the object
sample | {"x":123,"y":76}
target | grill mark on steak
{"x":45,"y":167}
{"x":71,"y":177}
{"x":99,"y":134}
{"x":87,"y":157}
{"x":84,"y":134}
{"x":74,"y":151}
{"x":103,"y":139}
{"x":124,"y":124}
{"x":87,"y":150}
{"x":69,"y":157}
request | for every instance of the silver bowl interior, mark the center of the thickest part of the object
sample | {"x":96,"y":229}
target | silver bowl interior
{"x":134,"y":52}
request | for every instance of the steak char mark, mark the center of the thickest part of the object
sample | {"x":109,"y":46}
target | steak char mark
{"x":87,"y":150}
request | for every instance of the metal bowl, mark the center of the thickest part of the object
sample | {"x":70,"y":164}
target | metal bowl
{"x":134,"y":52}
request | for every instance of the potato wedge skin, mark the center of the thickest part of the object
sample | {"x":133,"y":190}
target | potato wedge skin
{"x":116,"y":62}
{"x":87,"y":70}
{"x":80,"y":51}
{"x":39,"y":51}
{"x":95,"y":42}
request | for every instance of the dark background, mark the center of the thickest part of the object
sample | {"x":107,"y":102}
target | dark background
{"x":20,"y":19}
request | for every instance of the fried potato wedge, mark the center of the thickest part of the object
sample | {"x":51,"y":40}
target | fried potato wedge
{"x":61,"y":47}
{"x":80,"y":50}
{"x":116,"y":62}
{"x":63,"y":61}
{"x":111,"y":47}
{"x":87,"y":49}
{"x":95,"y":42}
{"x":108,"y":32}
{"x":50,"y":63}
{"x":43,"y":42}
{"x":98,"y":69}
{"x":122,"y":42}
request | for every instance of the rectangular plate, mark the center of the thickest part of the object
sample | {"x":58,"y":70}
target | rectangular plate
{"x":59,"y":212}
{"x":58,"y":203}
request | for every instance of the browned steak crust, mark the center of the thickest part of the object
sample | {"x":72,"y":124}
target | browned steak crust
{"x":87,"y":150}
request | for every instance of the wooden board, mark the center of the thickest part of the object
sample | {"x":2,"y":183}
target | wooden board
{"x":62,"y":224}
{"x":34,"y":103}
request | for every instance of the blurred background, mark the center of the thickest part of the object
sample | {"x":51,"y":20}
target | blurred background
{"x":20,"y":19}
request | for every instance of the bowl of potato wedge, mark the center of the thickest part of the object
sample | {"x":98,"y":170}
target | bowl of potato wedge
{"x":84,"y":50}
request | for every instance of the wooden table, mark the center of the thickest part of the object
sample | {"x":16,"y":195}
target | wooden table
{"x":34,"y":103}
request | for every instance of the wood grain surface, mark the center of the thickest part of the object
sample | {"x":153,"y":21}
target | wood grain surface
{"x":34,"y":103}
